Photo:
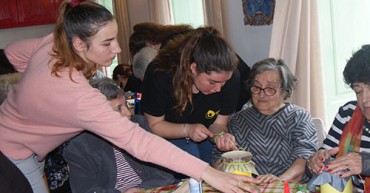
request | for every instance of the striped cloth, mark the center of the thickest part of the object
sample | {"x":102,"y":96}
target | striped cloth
{"x":126,"y":176}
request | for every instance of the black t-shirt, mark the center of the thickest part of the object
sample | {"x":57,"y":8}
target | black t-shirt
{"x":158,"y":100}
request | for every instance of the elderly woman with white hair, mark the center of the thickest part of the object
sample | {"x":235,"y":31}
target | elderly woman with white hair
{"x":280,"y":135}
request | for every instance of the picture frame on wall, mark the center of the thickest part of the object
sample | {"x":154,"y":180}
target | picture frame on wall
{"x":258,"y":12}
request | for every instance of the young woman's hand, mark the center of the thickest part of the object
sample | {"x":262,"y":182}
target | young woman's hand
{"x":229,"y":183}
{"x":198,"y":132}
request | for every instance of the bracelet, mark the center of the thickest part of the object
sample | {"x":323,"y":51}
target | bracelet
{"x":186,"y":134}
{"x":308,"y":163}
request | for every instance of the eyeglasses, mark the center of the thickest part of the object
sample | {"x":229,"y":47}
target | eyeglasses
{"x":268,"y":90}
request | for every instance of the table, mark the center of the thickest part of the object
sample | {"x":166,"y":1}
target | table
{"x":277,"y":187}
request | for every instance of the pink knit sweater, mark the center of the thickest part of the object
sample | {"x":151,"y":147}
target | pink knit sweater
{"x":42,"y":111}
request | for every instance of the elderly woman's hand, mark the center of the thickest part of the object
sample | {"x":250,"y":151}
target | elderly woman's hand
{"x":351,"y":164}
{"x":225,"y":142}
{"x":268,"y":178}
{"x":316,"y":161}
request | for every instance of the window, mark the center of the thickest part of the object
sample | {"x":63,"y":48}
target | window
{"x":109,"y":5}
{"x":344,"y":28}
{"x":188,"y":12}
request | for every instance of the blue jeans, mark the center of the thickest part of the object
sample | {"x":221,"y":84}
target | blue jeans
{"x":33,"y":170}
{"x":201,"y":150}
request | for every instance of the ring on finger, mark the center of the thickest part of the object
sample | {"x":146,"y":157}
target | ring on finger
{"x":240,"y":184}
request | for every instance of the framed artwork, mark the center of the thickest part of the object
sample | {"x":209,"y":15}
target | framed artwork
{"x":258,"y":12}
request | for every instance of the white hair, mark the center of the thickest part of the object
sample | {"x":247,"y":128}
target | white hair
{"x":141,"y":61}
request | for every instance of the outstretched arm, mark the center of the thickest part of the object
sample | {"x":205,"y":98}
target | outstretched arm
{"x":226,"y":182}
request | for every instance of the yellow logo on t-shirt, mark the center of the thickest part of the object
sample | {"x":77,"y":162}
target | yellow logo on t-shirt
{"x":210,"y":114}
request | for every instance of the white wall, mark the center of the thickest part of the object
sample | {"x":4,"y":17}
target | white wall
{"x":252,"y":43}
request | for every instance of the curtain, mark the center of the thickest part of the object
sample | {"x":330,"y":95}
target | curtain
{"x":295,"y":38}
{"x":121,"y":15}
{"x":213,"y":14}
{"x":160,"y":11}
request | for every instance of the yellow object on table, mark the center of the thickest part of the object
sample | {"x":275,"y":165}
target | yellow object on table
{"x":242,"y":173}
{"x":327,"y":188}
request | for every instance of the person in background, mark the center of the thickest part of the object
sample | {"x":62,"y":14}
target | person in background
{"x":280,"y":135}
{"x":189,"y":91}
{"x":154,"y":35}
{"x":141,"y":61}
{"x":34,"y":120}
{"x":121,"y":74}
{"x":97,"y":165}
{"x":124,"y":76}
{"x":348,"y":141}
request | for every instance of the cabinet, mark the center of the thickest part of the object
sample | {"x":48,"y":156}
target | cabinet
{"x":21,"y":13}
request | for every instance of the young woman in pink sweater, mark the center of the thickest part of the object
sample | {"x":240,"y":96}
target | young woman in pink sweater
{"x":54,"y":102}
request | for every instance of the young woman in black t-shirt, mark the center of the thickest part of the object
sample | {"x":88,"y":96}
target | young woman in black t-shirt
{"x":189,"y":91}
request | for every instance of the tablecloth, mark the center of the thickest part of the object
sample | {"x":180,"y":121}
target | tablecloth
{"x":277,"y":187}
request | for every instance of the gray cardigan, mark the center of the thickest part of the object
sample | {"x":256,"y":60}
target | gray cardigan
{"x":92,"y":165}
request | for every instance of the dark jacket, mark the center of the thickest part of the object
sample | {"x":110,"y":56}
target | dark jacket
{"x":5,"y":66}
{"x":93,"y":166}
{"x":12,"y":179}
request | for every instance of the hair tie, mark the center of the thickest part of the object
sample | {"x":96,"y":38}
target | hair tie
{"x":74,"y":3}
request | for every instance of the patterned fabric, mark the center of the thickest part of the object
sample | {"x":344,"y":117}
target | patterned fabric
{"x":276,"y":187}
{"x":126,"y":176}
{"x":341,"y":119}
{"x":352,"y":132}
{"x":56,"y":169}
{"x":275,"y":141}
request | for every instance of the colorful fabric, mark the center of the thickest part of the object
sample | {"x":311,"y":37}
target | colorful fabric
{"x":276,"y":187}
{"x":56,"y":169}
{"x":351,"y":138}
{"x":126,"y":176}
{"x":342,"y":118}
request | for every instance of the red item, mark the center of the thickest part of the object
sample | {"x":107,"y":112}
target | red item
{"x":286,"y":187}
